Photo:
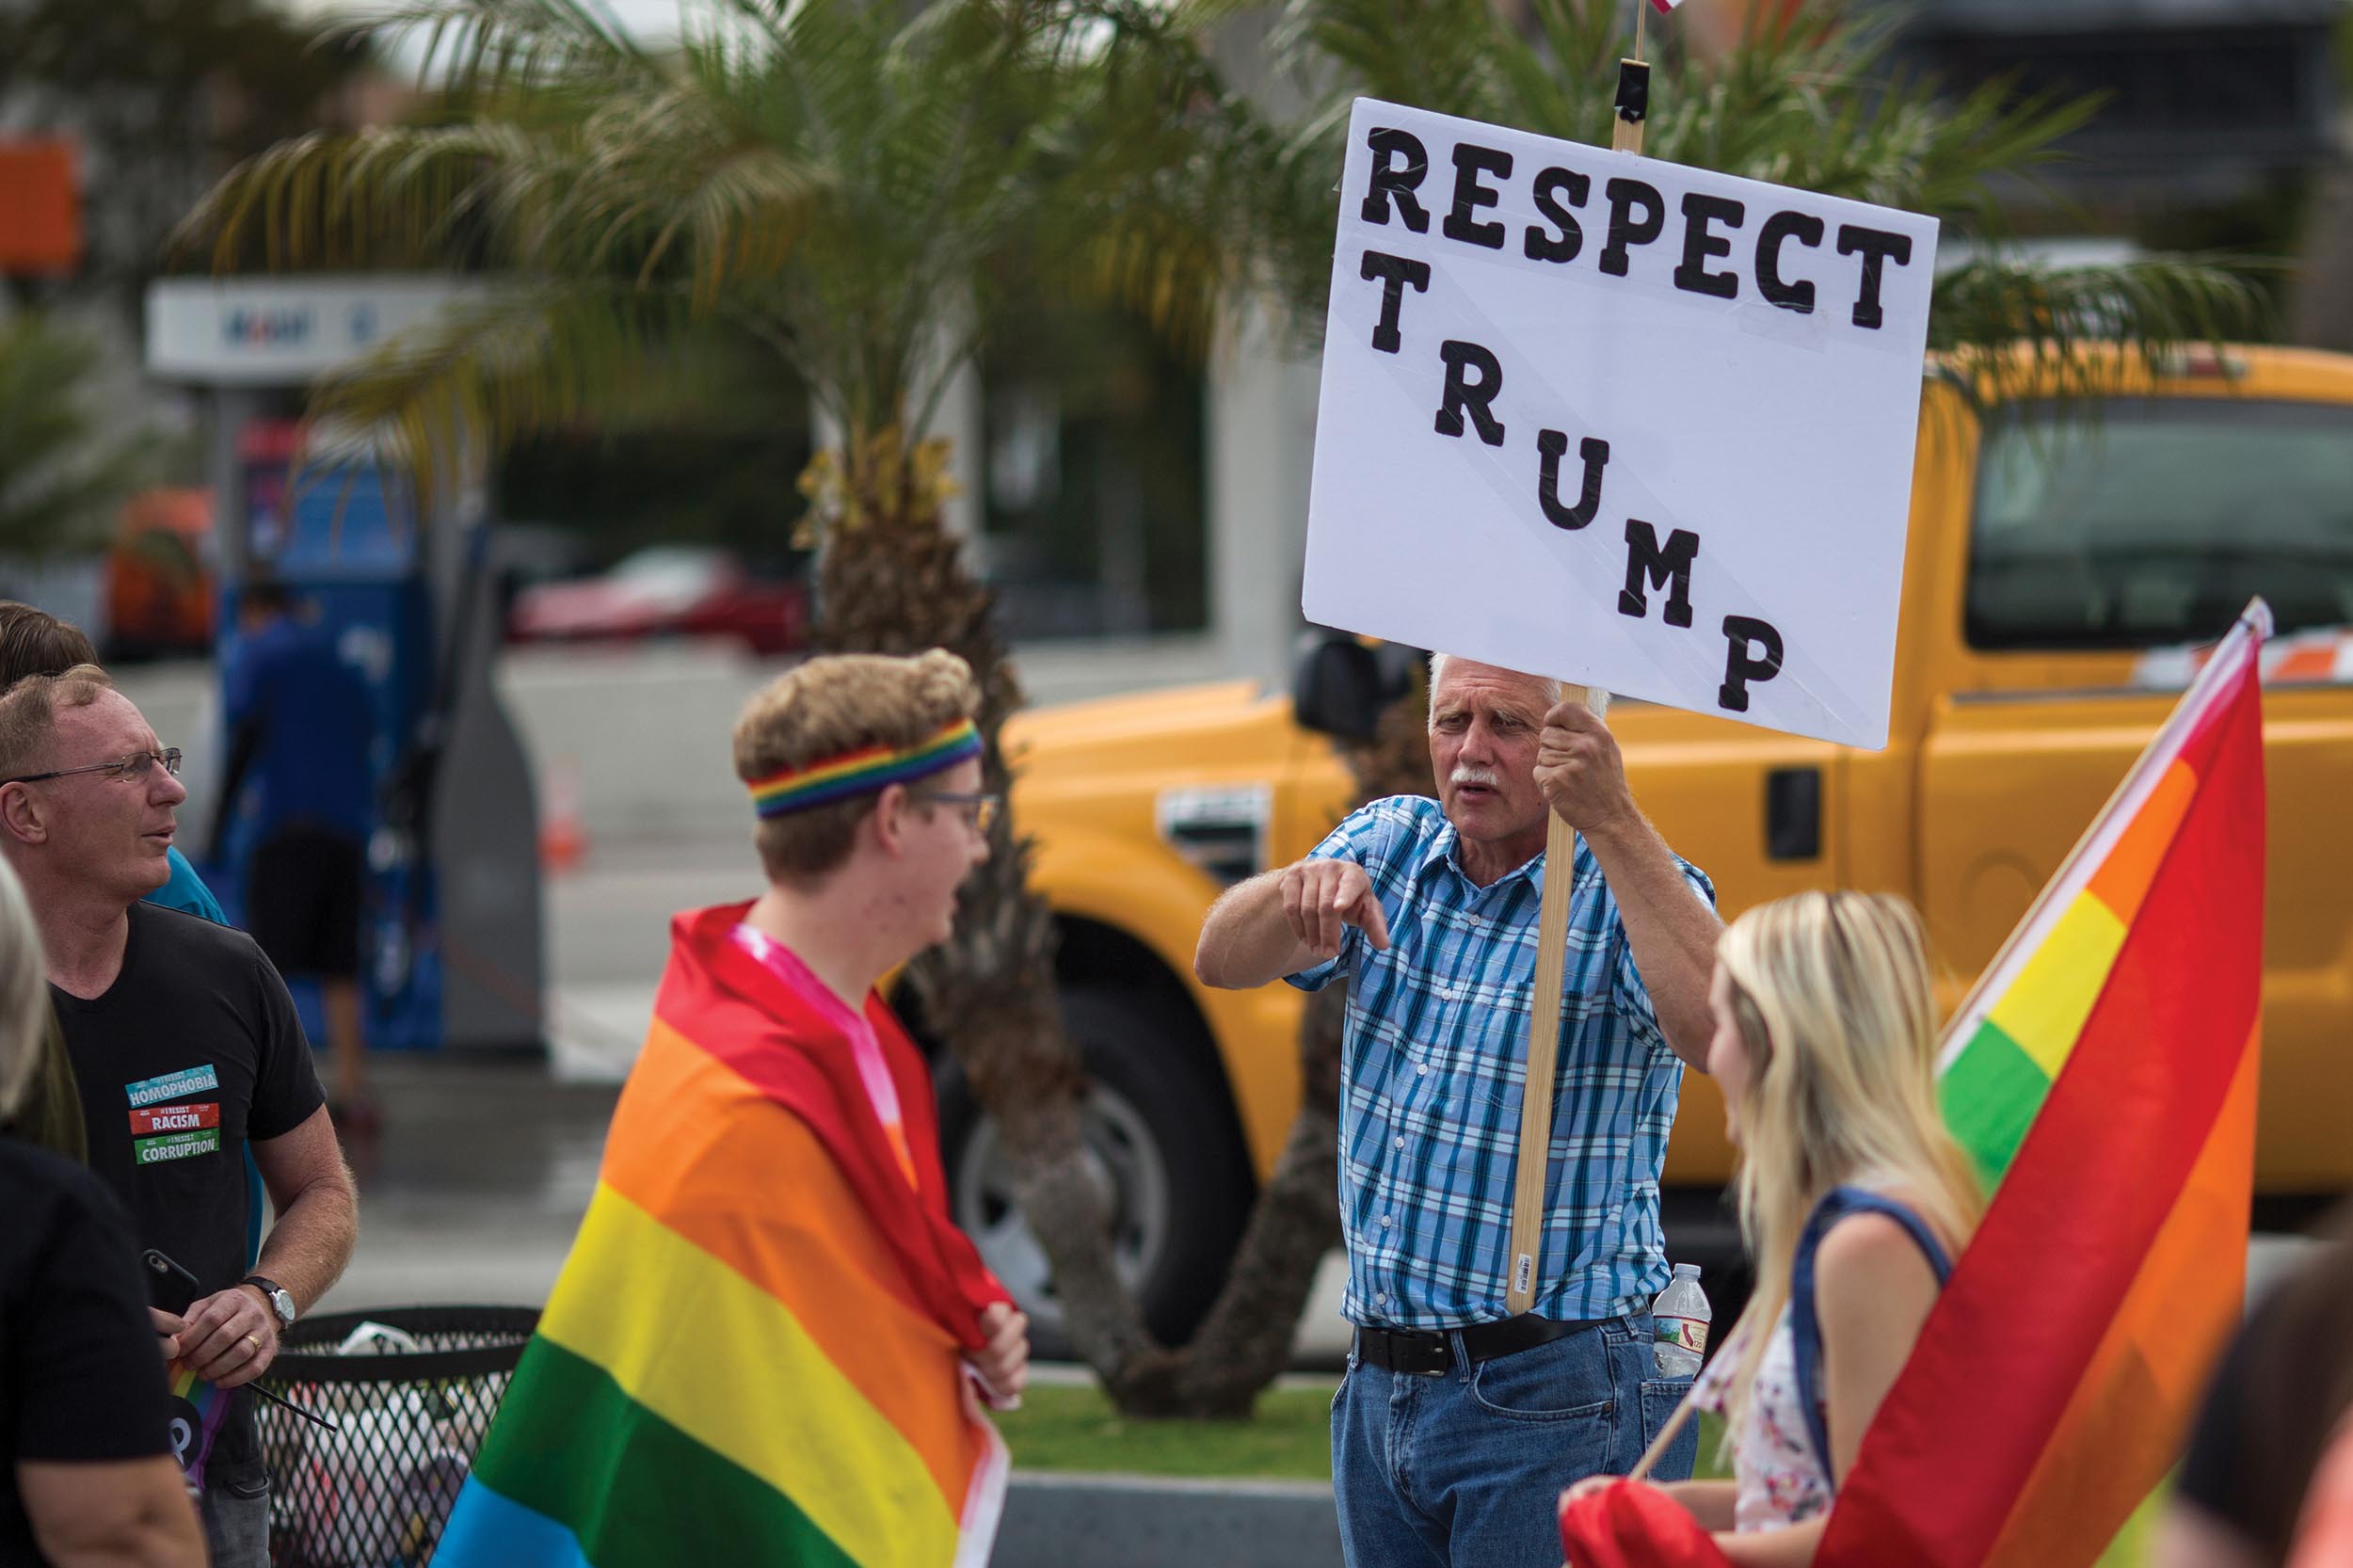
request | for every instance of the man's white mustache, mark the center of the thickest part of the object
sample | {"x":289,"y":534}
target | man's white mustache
{"x":1466,"y":773}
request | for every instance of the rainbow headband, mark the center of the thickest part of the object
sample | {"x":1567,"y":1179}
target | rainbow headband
{"x":864,"y":772}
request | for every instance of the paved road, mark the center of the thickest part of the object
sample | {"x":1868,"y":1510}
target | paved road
{"x":485,"y":1168}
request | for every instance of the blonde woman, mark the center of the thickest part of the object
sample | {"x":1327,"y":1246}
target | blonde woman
{"x":86,"y":1476}
{"x":1853,"y":1199}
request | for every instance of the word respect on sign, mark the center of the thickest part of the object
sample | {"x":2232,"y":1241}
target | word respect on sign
{"x":1528,"y":338}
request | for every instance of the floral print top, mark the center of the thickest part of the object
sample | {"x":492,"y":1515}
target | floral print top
{"x":1778,"y":1478}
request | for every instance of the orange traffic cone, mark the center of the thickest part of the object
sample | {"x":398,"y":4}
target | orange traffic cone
{"x":562,"y":841}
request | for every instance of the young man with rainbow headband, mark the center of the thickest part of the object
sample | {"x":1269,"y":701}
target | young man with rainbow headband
{"x":765,"y":1345}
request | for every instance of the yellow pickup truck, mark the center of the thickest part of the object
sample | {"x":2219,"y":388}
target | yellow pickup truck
{"x":2061,"y":571}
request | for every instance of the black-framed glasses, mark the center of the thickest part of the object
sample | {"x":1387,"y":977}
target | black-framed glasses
{"x":979,"y":809}
{"x":138,"y":765}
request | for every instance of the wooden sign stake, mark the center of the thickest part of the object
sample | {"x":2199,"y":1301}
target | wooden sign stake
{"x":1552,"y":921}
{"x":1544,"y":1051}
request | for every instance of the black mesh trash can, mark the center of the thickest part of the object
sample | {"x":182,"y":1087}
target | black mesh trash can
{"x":412,"y":1397}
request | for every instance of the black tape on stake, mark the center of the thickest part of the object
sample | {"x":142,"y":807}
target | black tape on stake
{"x":1633,"y":92}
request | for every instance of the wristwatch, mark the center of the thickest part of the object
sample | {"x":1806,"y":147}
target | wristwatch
{"x":276,"y":1295}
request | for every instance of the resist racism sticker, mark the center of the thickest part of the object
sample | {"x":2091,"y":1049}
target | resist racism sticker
{"x":174,"y":1132}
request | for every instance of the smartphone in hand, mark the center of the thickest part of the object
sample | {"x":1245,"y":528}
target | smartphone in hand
{"x":170,"y":1287}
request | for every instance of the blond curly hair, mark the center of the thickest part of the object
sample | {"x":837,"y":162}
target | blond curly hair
{"x":823,"y":709}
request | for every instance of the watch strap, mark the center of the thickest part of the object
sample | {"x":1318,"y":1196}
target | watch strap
{"x":272,"y":1291}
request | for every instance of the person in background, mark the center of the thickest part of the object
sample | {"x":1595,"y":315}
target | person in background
{"x":88,"y":1480}
{"x":1853,"y":1200}
{"x":300,"y":729}
{"x":34,"y":642}
{"x":2279,"y":1398}
{"x":186,"y":1052}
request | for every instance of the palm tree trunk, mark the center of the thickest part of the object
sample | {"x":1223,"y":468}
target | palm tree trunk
{"x":1246,"y":1339}
{"x":892,"y":578}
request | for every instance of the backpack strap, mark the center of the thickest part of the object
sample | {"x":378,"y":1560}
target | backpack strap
{"x":1805,"y":1328}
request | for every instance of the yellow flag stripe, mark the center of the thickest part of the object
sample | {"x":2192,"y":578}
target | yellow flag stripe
{"x":684,"y":1335}
{"x":2045,"y":1007}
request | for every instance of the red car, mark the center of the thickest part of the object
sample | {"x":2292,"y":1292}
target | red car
{"x":666,"y":591}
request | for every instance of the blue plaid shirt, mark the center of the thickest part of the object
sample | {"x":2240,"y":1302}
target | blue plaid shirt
{"x":1435,"y":1055}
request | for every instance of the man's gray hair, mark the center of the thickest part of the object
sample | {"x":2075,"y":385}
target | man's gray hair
{"x":1593,"y":697}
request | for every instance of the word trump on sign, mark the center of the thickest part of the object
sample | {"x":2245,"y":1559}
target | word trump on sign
{"x":1619,"y":422}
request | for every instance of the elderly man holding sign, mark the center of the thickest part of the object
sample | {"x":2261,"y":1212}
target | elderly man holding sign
{"x":1649,"y":427}
{"x":1477,"y":1380}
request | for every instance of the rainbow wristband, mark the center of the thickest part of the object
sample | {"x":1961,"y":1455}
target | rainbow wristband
{"x":864,"y":772}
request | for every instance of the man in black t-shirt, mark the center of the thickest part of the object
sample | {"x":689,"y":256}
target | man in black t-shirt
{"x":186,"y":1049}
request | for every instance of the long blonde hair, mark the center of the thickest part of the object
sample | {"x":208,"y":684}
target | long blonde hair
{"x":1832,"y":994}
{"x":24,"y":992}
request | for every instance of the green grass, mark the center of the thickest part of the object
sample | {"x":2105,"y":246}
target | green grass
{"x":1711,"y":1439}
{"x":1073,"y":1426}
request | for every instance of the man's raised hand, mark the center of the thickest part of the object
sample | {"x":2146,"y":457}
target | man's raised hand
{"x":1579,"y":769}
{"x":1320,"y":897}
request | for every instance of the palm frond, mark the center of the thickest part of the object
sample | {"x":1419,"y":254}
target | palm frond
{"x":2007,"y":324}
{"x":484,"y":46}
{"x":511,"y":362}
{"x":1807,"y":98}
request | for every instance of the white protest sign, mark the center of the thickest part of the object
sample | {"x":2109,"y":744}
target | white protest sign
{"x":1620,"y":422}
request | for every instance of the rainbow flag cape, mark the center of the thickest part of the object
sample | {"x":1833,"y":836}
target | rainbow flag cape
{"x":753,"y":1354}
{"x":2102,"y":1077}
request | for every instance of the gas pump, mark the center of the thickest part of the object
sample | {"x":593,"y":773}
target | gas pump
{"x":452,"y":942}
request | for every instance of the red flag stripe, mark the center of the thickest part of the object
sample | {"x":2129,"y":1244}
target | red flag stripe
{"x":2143,"y":1382}
{"x":2102,"y":1167}
{"x":722,"y":998}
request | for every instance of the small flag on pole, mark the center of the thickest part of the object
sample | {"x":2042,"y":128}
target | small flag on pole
{"x":1665,"y":8}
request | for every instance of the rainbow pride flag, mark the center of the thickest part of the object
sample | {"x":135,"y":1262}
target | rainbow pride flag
{"x":197,"y":1410}
{"x":2102,"y":1077}
{"x":754,"y":1353}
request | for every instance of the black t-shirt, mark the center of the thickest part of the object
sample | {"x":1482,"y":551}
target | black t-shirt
{"x":2213,"y":1473}
{"x":192,"y":1051}
{"x":81,"y":1377}
{"x":2271,"y":1408}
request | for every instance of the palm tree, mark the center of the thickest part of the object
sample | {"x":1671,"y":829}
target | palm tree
{"x":862,"y":192}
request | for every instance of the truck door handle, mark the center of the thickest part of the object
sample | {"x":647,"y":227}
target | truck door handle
{"x":1793,"y":815}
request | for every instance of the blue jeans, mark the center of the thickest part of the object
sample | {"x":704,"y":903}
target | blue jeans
{"x":236,"y":1524}
{"x":1466,"y":1469}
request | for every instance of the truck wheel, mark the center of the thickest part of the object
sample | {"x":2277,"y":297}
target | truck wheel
{"x":1164,"y":1142}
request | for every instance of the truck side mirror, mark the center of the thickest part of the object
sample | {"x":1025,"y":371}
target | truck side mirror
{"x":1341,"y":687}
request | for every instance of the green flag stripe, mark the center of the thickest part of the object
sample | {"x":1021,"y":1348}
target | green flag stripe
{"x":1990,"y":1096}
{"x":636,"y":1491}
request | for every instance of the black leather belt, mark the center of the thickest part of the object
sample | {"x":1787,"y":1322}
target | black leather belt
{"x":1429,"y":1353}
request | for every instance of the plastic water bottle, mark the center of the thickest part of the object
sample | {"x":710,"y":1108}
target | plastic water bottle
{"x":1680,"y":1316}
